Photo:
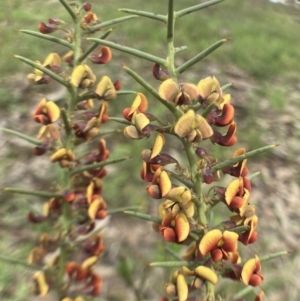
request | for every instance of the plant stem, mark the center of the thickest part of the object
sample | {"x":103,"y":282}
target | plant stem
{"x":170,"y":61}
{"x":197,"y":183}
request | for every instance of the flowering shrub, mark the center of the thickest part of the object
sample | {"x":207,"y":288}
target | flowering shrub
{"x":196,"y":111}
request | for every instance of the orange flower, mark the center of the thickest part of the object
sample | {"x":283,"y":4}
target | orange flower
{"x":251,"y":272}
{"x":218,"y":244}
{"x":179,"y":94}
{"x":103,"y":56}
{"x":46,"y":112}
{"x":237,"y":195}
{"x":175,"y":228}
{"x":229,"y":139}
{"x":193,"y":127}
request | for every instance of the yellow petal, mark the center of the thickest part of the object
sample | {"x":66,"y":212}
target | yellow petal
{"x":230,"y":241}
{"x":53,"y":111}
{"x":205,"y":87}
{"x":58,"y":155}
{"x":185,"y":124}
{"x":249,"y":268}
{"x":182,"y":226}
{"x":43,"y":287}
{"x":206,"y":273}
{"x":106,"y":89}
{"x":93,"y":208}
{"x":203,"y":126}
{"x":131,"y":132}
{"x":164,"y":183}
{"x":78,"y":75}
{"x":182,"y":288}
{"x":246,"y":198}
{"x":53,"y":59}
{"x":89,"y":262}
{"x":157,"y":146}
{"x":140,"y":120}
{"x":210,"y":241}
{"x":232,"y":190}
{"x":139,"y":104}
{"x":168,"y":90}
{"x":187,"y":272}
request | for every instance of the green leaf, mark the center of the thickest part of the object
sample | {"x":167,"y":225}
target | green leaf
{"x":144,"y":216}
{"x":132,"y":51}
{"x":22,"y":136}
{"x":47,"y":37}
{"x":172,"y":264}
{"x":120,"y":120}
{"x":195,"y":8}
{"x":253,"y":175}
{"x":110,"y":23}
{"x":274,"y":255}
{"x":32,"y":192}
{"x":43,"y":69}
{"x":122,"y":209}
{"x":21,"y":263}
{"x":97,"y":165}
{"x":200,"y":56}
{"x":94,"y":46}
{"x":237,"y":159}
{"x":225,"y":87}
{"x":146,"y":14}
{"x":125,"y":92}
{"x":69,"y":9}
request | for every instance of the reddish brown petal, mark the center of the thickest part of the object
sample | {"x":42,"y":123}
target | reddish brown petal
{"x":45,"y":29}
{"x":225,"y":118}
{"x":216,"y":255}
{"x":169,"y":234}
{"x":154,"y":192}
{"x":103,"y":57}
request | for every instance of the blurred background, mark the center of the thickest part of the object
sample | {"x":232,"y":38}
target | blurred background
{"x":262,"y":60}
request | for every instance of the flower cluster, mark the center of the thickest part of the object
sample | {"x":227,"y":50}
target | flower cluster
{"x":214,"y":249}
{"x":75,"y":244}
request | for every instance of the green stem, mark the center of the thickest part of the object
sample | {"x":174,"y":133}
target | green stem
{"x":210,"y":291}
{"x":48,"y":38}
{"x":69,"y":9}
{"x":171,"y":264}
{"x":197,"y":183}
{"x":129,"y":50}
{"x":43,"y":194}
{"x":170,"y":61}
{"x":146,"y":14}
{"x":96,"y":165}
{"x":200,"y":56}
{"x":197,"y":7}
{"x":109,"y":23}
{"x":237,"y":159}
{"x":22,"y":136}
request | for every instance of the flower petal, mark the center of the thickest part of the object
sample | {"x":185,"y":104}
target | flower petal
{"x":210,"y":241}
{"x":206,"y":273}
{"x":182,"y":288}
{"x":182,"y":226}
